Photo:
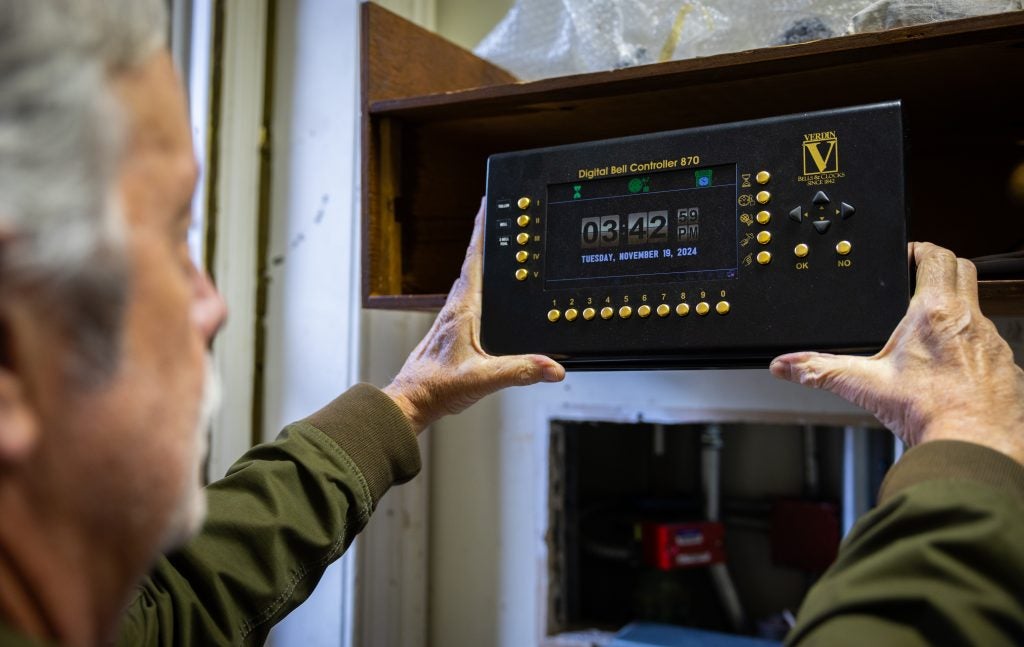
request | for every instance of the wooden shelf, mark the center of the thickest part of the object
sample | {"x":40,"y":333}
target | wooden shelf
{"x":433,"y":113}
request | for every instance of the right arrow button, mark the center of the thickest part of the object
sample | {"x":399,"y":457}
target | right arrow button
{"x":847,"y":210}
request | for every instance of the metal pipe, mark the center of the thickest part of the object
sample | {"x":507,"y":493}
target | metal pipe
{"x":711,"y":472}
{"x":710,"y":469}
{"x":728,"y":595}
{"x":855,"y":476}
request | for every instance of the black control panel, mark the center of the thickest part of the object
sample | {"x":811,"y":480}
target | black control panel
{"x":717,"y":246}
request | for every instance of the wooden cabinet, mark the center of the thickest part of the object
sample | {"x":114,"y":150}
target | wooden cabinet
{"x":433,"y":112}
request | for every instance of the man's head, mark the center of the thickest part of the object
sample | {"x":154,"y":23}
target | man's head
{"x":104,"y":319}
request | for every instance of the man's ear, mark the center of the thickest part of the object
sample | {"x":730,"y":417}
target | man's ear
{"x":19,"y":425}
{"x":19,"y":422}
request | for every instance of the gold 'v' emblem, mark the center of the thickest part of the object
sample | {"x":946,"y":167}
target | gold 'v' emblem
{"x":821,"y":156}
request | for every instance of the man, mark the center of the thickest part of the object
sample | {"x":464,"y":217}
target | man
{"x":105,"y":321}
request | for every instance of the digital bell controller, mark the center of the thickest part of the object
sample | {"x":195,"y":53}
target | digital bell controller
{"x":719,"y":246}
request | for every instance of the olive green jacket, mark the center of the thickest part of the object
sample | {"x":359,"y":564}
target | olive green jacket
{"x":940,"y":561}
{"x":282,"y":514}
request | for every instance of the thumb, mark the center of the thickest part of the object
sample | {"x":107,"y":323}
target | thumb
{"x":849,"y":377}
{"x":523,"y":370}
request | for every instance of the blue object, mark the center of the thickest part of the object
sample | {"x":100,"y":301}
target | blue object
{"x":649,"y":634}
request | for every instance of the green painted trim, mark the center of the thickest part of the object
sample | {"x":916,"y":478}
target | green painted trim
{"x":213,"y":135}
{"x":263,"y":225}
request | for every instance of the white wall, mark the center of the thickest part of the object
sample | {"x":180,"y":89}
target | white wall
{"x":312,"y":320}
{"x":392,"y":583}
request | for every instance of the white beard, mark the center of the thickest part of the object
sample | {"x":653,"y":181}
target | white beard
{"x":187,"y":519}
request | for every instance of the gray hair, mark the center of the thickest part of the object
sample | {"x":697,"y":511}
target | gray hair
{"x":61,"y":238}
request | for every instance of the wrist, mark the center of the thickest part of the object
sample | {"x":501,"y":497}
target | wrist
{"x":1003,"y":435}
{"x":406,"y":405}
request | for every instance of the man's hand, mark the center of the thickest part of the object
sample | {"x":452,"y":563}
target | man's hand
{"x":944,"y":374}
{"x":449,"y":370}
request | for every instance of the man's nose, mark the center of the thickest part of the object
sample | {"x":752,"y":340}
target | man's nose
{"x":208,"y":308}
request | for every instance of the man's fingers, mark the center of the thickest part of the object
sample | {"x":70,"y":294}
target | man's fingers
{"x":936,"y":270}
{"x":523,"y":370}
{"x":967,"y":281}
{"x":852,"y":378}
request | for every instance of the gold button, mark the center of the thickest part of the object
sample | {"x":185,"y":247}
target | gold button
{"x":607,"y":313}
{"x":589,"y":313}
{"x":844,"y":247}
{"x":763,"y":177}
{"x":764,"y":258}
{"x":663,"y":310}
{"x":571,"y":314}
{"x":625,"y":312}
{"x":764,"y":217}
{"x":523,"y":238}
{"x":523,"y":220}
{"x":722,"y":307}
{"x":522,"y":255}
{"x":683,"y":309}
{"x":764,"y":237}
{"x":554,"y":315}
{"x":763,"y":197}
{"x":801,"y":250}
{"x":524,"y":203}
{"x":521,"y":274}
{"x":702,"y":308}
{"x":644,"y":311}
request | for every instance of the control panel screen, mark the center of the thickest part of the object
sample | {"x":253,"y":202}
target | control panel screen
{"x":672,"y":225}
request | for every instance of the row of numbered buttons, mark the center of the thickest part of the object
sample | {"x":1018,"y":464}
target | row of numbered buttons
{"x":644,"y":311}
{"x":523,"y":238}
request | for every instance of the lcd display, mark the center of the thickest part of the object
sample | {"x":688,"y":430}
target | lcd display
{"x":675,"y":225}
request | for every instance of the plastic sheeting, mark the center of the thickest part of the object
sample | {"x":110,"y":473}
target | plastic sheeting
{"x":546,"y":38}
{"x":889,"y":14}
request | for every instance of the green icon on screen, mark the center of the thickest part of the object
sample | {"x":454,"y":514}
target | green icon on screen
{"x":640,"y":184}
{"x":576,"y":191}
{"x":703,"y":178}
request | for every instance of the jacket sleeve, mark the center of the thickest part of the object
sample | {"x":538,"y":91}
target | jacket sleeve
{"x":281,"y":515}
{"x":940,"y":561}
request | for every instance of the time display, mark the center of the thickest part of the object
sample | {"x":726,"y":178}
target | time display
{"x":637,"y":228}
{"x":621,"y":230}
